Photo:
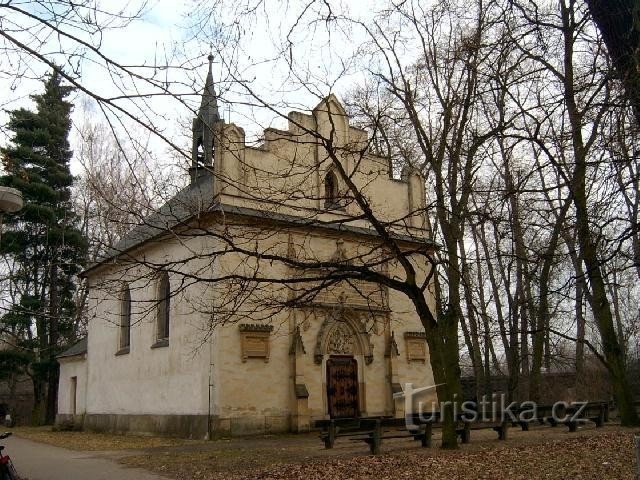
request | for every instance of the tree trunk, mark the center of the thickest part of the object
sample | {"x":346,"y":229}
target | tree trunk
{"x":612,"y":350}
{"x":541,"y":332}
{"x":53,"y":372}
{"x":446,"y":374}
{"x":581,"y":293}
{"x":509,"y":324}
{"x":470,"y":327}
{"x":442,"y":339}
{"x":619,"y":24}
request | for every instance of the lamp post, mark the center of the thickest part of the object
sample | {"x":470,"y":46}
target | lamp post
{"x":636,"y":441}
{"x":10,"y":202}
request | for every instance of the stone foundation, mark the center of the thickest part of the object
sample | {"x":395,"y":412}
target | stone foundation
{"x":184,"y":426}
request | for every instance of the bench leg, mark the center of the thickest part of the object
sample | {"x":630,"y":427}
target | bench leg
{"x":524,"y":426}
{"x":503,"y":432}
{"x":573,"y":426}
{"x":466,"y":433}
{"x":600,"y":421}
{"x":376,"y":439}
{"x":331,"y":435}
{"x":426,"y":437}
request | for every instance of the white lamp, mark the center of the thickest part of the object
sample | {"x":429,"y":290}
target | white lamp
{"x":10,"y":200}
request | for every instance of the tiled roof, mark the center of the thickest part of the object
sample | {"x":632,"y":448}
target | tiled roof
{"x":78,"y":348}
{"x":198,"y":198}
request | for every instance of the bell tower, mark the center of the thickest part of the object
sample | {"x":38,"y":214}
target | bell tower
{"x":203,"y":128}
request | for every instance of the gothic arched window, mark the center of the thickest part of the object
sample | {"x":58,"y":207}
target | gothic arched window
{"x":163,"y":306}
{"x":331,"y":190}
{"x":199,"y":153}
{"x":125,"y":318}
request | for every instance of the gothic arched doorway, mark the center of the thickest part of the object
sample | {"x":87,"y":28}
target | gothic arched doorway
{"x":342,"y":387}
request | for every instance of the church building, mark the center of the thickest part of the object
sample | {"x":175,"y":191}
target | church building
{"x":248,"y":302}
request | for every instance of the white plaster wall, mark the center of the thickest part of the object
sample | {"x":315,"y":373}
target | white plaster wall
{"x":174,"y":380}
{"x":168,"y":380}
{"x":72,"y":367}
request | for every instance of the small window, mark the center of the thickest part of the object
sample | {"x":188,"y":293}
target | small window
{"x":163,"y":308}
{"x":199,"y":153}
{"x":125,"y":319}
{"x":73,"y":397}
{"x":331,"y":191}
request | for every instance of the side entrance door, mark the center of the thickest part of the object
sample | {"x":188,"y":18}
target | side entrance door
{"x":342,"y":387}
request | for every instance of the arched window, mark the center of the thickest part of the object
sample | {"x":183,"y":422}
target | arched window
{"x":331,"y":191}
{"x":164,"y":306}
{"x":200,"y":153}
{"x":125,"y":318}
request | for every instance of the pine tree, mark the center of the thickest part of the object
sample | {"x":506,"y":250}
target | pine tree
{"x":43,"y":241}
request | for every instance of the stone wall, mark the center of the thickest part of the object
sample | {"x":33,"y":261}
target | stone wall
{"x":20,"y":403}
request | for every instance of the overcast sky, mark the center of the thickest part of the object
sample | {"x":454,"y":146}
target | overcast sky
{"x":161,"y":36}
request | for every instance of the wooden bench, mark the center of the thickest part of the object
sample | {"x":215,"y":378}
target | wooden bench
{"x":596,"y":412}
{"x":390,"y":428}
{"x":464,"y":431}
{"x":568,"y":415}
{"x":372,"y":430}
{"x":422,"y":429}
{"x":465,"y":424}
{"x":344,"y":427}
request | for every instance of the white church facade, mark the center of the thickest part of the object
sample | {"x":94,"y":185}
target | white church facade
{"x":200,"y":322}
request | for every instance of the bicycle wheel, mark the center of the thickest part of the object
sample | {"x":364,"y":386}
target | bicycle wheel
{"x":9,"y":472}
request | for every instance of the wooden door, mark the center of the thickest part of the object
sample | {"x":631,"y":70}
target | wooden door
{"x":342,"y":387}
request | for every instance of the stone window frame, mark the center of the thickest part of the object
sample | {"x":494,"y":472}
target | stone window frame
{"x":163,"y":311}
{"x":252,"y":332}
{"x":124,"y":324}
{"x":332,"y":191}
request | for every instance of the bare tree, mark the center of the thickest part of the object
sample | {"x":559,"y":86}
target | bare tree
{"x":585,"y":109}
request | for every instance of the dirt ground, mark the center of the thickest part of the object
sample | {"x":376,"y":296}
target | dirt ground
{"x":89,"y":441}
{"x":544,"y":452}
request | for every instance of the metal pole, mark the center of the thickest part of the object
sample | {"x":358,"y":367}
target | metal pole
{"x":637,"y":445}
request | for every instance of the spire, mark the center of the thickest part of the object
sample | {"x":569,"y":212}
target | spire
{"x":202,"y":155}
{"x":209,"y":103}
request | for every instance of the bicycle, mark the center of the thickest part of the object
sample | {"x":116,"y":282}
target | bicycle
{"x":7,"y":470}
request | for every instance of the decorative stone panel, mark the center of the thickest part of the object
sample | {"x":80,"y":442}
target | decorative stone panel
{"x":255,"y":341}
{"x":342,"y":333}
{"x":416,"y":346}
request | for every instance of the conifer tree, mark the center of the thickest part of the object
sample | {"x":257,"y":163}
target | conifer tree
{"x":42,"y":241}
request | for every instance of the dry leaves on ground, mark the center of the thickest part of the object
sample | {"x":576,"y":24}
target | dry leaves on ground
{"x":87,"y":441}
{"x":607,"y":456}
{"x":545,"y":454}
